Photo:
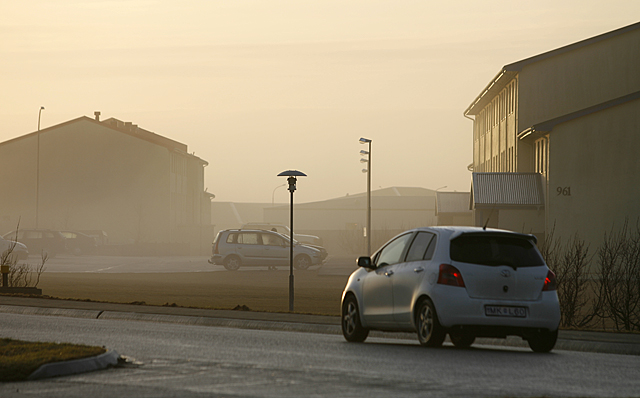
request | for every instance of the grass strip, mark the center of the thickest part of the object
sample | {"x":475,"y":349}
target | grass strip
{"x":18,"y":359}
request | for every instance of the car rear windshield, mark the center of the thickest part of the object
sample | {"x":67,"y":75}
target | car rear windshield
{"x":495,"y":250}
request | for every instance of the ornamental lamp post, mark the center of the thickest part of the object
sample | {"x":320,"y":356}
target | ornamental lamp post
{"x":291,"y":180}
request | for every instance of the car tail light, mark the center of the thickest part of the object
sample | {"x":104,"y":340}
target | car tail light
{"x":215,"y":247}
{"x":550,"y":282}
{"x":449,"y":275}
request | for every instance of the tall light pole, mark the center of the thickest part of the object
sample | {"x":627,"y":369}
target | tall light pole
{"x":291,"y":174}
{"x":368,"y":171}
{"x":38,"y":166}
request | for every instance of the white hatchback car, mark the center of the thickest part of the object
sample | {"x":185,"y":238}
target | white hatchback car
{"x":467,"y":282}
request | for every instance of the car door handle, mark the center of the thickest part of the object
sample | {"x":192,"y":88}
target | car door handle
{"x":388,"y":273}
{"x":418,"y":270}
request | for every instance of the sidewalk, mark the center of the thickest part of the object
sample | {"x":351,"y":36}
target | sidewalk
{"x":603,"y":342}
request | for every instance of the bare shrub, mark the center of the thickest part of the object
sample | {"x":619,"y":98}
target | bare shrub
{"x":26,"y":275}
{"x":22,"y":274}
{"x":570,"y":263}
{"x":574,"y":285}
{"x":618,"y":276}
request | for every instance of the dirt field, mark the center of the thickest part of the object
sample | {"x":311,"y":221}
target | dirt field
{"x":260,"y":290}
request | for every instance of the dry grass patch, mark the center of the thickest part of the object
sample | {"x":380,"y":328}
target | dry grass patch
{"x":18,"y":359}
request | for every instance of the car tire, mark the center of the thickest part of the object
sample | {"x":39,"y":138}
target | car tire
{"x":232,"y":263}
{"x":430,"y":332}
{"x":302,"y":262}
{"x":543,"y":341}
{"x":352,"y":329}
{"x":462,"y":339}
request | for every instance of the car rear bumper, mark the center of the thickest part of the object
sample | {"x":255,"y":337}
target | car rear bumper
{"x":456,"y":308}
{"x":216,"y":259}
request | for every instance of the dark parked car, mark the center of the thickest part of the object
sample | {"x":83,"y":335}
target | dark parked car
{"x":79,"y":243}
{"x":39,"y":241}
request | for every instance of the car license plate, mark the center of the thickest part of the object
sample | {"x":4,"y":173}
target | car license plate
{"x":514,"y":312}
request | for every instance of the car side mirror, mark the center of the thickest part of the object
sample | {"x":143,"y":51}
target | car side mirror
{"x":365,"y":262}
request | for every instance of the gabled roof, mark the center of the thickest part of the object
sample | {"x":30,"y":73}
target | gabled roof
{"x":507,"y":190}
{"x":122,"y":127}
{"x":508,"y":72}
{"x":545,"y":127}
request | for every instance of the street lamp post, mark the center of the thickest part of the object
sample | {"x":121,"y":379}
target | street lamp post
{"x":39,"y":114}
{"x":273,"y":194}
{"x":368,"y":171}
{"x":291,"y":174}
{"x":38,"y":166}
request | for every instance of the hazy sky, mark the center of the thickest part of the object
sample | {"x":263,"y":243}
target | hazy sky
{"x":259,"y":87}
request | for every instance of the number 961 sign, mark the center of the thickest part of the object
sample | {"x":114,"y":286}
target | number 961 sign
{"x":564,"y":191}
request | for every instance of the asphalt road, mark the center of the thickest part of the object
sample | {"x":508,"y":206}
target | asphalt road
{"x":198,"y":361}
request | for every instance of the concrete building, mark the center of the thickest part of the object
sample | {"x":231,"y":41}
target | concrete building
{"x":570,"y":118}
{"x":452,"y":208}
{"x":340,"y":222}
{"x":144,"y":190}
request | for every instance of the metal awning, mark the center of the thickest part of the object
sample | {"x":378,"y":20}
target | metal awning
{"x":507,"y":190}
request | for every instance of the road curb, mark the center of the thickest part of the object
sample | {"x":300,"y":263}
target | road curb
{"x":65,"y":368}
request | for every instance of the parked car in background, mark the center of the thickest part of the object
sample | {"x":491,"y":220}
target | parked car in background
{"x":307,"y":240}
{"x":234,"y":248}
{"x":467,"y":282}
{"x":11,"y":251}
{"x":39,"y":241}
{"x":79,"y":243}
{"x":284,"y":230}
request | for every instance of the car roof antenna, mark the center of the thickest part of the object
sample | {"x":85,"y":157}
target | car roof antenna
{"x":484,"y":227}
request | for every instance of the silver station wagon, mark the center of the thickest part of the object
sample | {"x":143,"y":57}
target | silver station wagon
{"x":235,"y":248}
{"x":466,"y":282}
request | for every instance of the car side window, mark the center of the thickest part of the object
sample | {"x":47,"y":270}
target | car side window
{"x":249,"y":238}
{"x":272,"y":240}
{"x":232,"y":238}
{"x":420,"y":247}
{"x":391,"y":253}
{"x":432,"y":247}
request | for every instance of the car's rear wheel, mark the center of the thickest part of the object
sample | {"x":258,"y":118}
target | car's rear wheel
{"x":430,"y":332}
{"x":302,"y":262}
{"x":543,"y":341}
{"x":462,"y":339}
{"x":232,"y":263}
{"x":352,"y":329}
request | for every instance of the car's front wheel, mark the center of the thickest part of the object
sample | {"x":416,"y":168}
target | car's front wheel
{"x":430,"y":332}
{"x":543,"y":341}
{"x":232,"y":263}
{"x":302,"y":262}
{"x":352,"y":329}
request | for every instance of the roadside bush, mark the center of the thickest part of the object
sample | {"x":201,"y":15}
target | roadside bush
{"x":22,"y":274}
{"x":570,"y":263}
{"x":619,"y":277}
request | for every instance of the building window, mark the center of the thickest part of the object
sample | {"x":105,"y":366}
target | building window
{"x":542,"y":155}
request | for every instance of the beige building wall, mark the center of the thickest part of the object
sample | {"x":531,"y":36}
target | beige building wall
{"x":93,"y":176}
{"x":578,"y":79}
{"x":594,"y":169}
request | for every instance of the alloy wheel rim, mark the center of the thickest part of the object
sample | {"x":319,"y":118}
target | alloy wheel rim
{"x":426,"y":323}
{"x":349,"y":318}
